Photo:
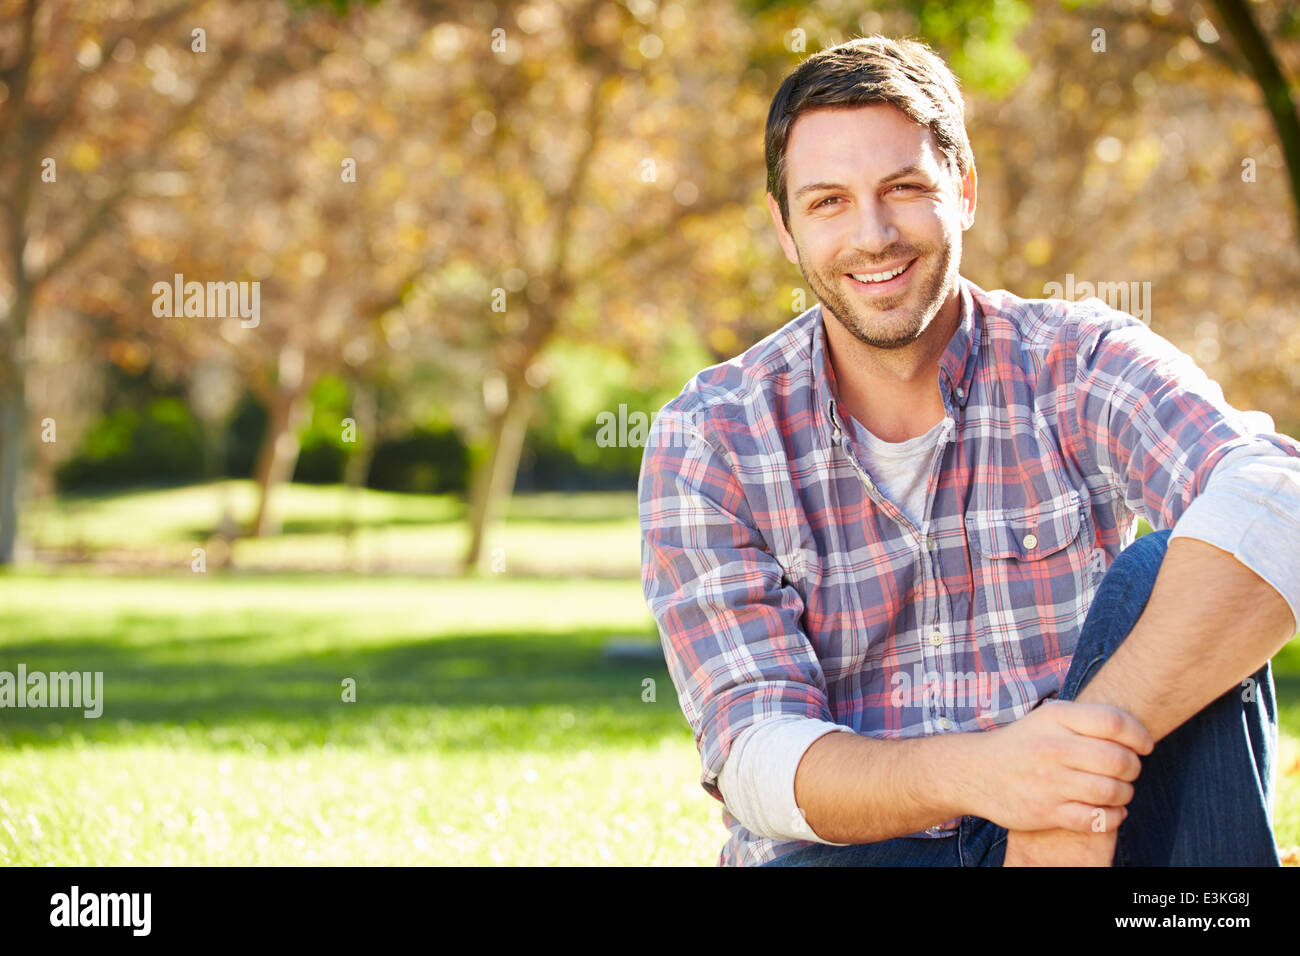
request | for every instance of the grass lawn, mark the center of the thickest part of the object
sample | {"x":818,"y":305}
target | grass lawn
{"x":587,"y":534}
{"x":489,"y":727}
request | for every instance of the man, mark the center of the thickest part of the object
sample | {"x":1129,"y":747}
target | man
{"x":901,"y":517}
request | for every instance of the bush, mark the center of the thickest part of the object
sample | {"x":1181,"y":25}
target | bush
{"x":429,"y":461}
{"x":162,"y":444}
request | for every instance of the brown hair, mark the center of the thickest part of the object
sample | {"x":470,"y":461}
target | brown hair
{"x":905,"y":73}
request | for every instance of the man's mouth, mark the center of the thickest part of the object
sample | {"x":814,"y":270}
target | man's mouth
{"x":886,"y":280}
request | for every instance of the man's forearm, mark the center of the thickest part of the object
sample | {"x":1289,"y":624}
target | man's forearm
{"x":1210,"y":623}
{"x":855,"y":789}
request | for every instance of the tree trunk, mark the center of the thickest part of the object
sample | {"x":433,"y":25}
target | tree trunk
{"x":278,"y":455}
{"x":214,"y":450}
{"x":1267,"y":72}
{"x":13,"y":436}
{"x":13,"y":417}
{"x":494,"y":479}
{"x":357,"y":468}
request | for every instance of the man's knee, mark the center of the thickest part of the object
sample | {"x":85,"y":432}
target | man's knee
{"x":1145,"y":552}
{"x":1127,"y":584}
{"x":1119,"y":601}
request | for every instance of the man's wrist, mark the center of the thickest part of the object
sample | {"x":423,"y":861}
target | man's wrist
{"x":949,"y":781}
{"x":960,"y":766}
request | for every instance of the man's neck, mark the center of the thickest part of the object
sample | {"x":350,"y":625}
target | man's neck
{"x":893,"y":393}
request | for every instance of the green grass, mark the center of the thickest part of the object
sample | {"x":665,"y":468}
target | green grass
{"x":590,"y":533}
{"x":489,"y":727}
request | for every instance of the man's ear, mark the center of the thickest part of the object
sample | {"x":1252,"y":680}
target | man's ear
{"x":787,"y":242}
{"x":968,"y":184}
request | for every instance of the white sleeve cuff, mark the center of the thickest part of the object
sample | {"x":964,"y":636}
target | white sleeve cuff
{"x":1250,"y":507}
{"x":757,"y":779}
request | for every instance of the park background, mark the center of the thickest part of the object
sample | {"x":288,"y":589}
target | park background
{"x":491,"y":241}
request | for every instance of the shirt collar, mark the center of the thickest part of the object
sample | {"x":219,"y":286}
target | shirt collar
{"x":956,"y":365}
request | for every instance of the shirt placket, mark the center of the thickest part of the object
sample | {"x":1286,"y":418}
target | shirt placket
{"x":931,"y":647}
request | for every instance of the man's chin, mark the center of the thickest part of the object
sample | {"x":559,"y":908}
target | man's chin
{"x":866,"y":330}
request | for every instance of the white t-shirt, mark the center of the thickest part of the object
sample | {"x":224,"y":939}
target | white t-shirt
{"x":901,"y":470}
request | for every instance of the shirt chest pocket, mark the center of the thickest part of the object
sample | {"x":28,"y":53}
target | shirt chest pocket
{"x":1028,"y":567}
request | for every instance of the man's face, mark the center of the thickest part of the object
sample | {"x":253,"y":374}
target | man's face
{"x":871,"y":193}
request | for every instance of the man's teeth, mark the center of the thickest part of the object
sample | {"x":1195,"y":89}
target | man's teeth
{"x":878,"y":276}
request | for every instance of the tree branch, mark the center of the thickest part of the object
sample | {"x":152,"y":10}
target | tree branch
{"x":1264,"y":67}
{"x":49,"y":124}
{"x":90,"y":227}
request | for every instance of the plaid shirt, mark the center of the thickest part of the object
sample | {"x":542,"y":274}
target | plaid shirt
{"x":783,"y":582}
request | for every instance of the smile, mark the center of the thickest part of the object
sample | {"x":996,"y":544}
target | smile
{"x":886,"y":281}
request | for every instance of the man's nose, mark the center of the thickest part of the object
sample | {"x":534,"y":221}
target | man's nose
{"x":876,"y":230}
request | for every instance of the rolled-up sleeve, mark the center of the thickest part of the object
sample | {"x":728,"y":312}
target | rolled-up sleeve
{"x":758,"y":778}
{"x":1160,"y":430}
{"x":727,"y":615}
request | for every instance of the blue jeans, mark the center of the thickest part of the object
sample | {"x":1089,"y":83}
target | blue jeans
{"x":1205,"y":794}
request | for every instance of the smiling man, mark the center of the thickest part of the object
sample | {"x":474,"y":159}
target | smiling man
{"x":887,"y":271}
{"x":880,"y":538}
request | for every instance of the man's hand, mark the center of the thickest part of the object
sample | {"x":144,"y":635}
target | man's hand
{"x":1059,"y":848}
{"x":1065,"y":766}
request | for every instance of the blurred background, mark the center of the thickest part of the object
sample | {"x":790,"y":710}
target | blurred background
{"x":350,"y":526}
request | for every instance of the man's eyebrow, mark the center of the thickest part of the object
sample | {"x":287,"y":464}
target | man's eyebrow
{"x":909,"y":170}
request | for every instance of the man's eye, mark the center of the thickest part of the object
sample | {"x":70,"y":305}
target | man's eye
{"x":825,"y":201}
{"x":906,"y":186}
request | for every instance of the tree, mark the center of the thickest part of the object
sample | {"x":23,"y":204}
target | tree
{"x":91,"y":99}
{"x":1263,"y":65}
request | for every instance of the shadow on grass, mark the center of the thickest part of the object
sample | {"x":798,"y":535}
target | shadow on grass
{"x":534,"y":691}
{"x":265,"y":682}
{"x":334,"y":526}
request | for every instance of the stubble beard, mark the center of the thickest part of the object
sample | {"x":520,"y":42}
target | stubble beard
{"x":867,"y":324}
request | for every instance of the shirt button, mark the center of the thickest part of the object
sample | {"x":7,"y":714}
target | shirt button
{"x":936,"y":637}
{"x":961,"y":392}
{"x":929,"y":544}
{"x":1030,"y":541}
{"x":945,"y":723}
